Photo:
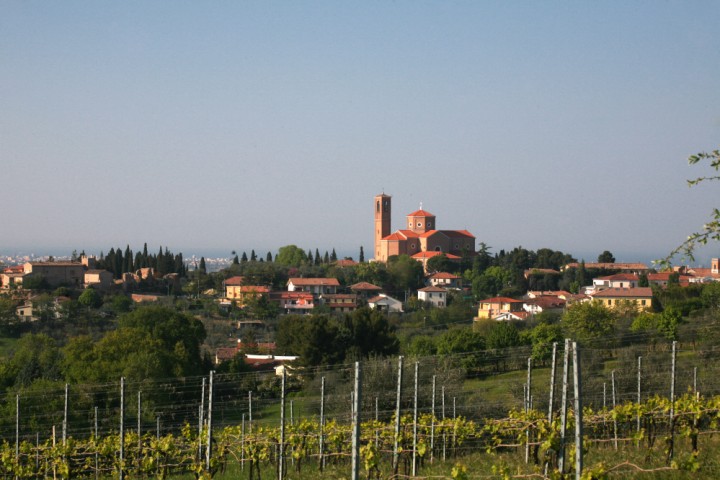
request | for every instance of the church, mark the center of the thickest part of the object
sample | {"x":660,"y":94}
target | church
{"x":420,"y":240}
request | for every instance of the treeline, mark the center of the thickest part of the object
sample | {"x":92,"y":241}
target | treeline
{"x":119,"y":262}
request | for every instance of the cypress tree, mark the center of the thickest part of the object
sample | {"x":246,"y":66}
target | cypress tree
{"x":144,"y":263}
{"x":118,"y":263}
{"x":202,"y":265}
{"x":326,"y":259}
{"x":310,"y":257}
{"x":236,"y":260}
{"x":333,"y":256}
{"x":268,"y":258}
{"x":253,"y":257}
{"x":361,"y":257}
{"x":244,"y":258}
{"x":317,"y":257}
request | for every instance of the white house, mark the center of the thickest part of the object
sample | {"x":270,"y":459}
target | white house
{"x":435,"y":295}
{"x":384,"y":303}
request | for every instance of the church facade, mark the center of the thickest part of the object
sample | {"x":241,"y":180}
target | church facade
{"x":420,"y":239}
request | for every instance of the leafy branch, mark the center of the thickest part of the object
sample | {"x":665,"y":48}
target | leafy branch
{"x":709,"y":231}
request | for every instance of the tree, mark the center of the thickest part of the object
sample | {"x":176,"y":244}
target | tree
{"x":361,"y":257}
{"x":291,"y":256}
{"x":90,"y":298}
{"x":253,"y":257}
{"x":203,"y":269}
{"x":36,"y":356}
{"x":606,"y":257}
{"x":709,"y":231}
{"x":586,"y":321}
{"x":502,"y":335}
{"x":405,"y":273}
{"x":440,"y":263}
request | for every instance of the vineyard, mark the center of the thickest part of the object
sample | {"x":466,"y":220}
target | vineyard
{"x":654,"y":414}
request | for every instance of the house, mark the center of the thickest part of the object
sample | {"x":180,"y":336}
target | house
{"x":340,"y":302}
{"x":641,"y":297}
{"x":365,"y":290}
{"x":293,"y":302}
{"x":419,"y":236}
{"x":384,"y":303}
{"x":492,"y":307}
{"x":316,"y":286}
{"x":232,"y":285}
{"x":544,"y":303}
{"x":445,"y":280}
{"x":663,"y":278}
{"x":98,"y":279}
{"x":619,"y":280}
{"x":437,"y":296}
{"x":25,"y":312}
{"x":9,"y":279}
{"x":513,"y":316}
{"x":57,"y":274}
{"x":241,"y":294}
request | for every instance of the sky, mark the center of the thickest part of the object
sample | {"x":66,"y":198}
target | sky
{"x":239,"y":125}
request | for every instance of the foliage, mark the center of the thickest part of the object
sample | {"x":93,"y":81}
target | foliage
{"x":606,"y":257}
{"x":711,"y":230}
{"x":585,"y":321}
{"x":291,"y":256}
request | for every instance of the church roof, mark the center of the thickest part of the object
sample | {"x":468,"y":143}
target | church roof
{"x":420,"y":213}
{"x":421,"y":255}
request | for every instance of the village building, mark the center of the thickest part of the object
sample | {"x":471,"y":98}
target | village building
{"x":419,"y":236}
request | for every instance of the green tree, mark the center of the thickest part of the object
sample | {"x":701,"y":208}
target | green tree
{"x":586,"y":321}
{"x":90,"y":298}
{"x":542,"y":338}
{"x":606,"y":257}
{"x":36,"y":356}
{"x":405,"y":273}
{"x":503,"y":335}
{"x":203,"y":268}
{"x":440,"y":263}
{"x":361,"y":257}
{"x":291,"y":256}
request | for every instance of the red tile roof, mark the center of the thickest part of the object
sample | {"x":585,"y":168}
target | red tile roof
{"x":365,"y":287}
{"x":333,"y":282}
{"x":432,"y":289}
{"x":500,"y":300}
{"x":625,"y":292}
{"x":621,"y":276}
{"x":440,"y":275}
{"x":234,"y":281}
{"x":422,"y":255}
{"x":420,"y":213}
{"x":346,"y":263}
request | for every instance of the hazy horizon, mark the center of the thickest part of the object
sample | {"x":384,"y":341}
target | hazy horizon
{"x":229,"y":124}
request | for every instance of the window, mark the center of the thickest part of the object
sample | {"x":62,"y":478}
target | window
{"x":642,"y":302}
{"x":377,"y":207}
{"x":429,"y":224}
{"x":419,"y":224}
{"x":410,"y":224}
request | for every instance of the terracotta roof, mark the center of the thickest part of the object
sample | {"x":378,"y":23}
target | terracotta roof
{"x":333,"y":282}
{"x":225,"y":353}
{"x":621,"y":276}
{"x":421,"y":255}
{"x":346,"y":263}
{"x":625,"y":292}
{"x":291,"y":295}
{"x":457,"y":233}
{"x":547,"y":301}
{"x":337,"y":296}
{"x":440,"y":275}
{"x":234,"y":281}
{"x":500,"y":300}
{"x":432,"y":289}
{"x":420,"y":213}
{"x":365,"y":287}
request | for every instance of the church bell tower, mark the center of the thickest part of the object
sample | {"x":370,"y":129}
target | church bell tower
{"x":382,"y":221}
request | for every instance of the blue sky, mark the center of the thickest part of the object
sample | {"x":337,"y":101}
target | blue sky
{"x":251,"y":125}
